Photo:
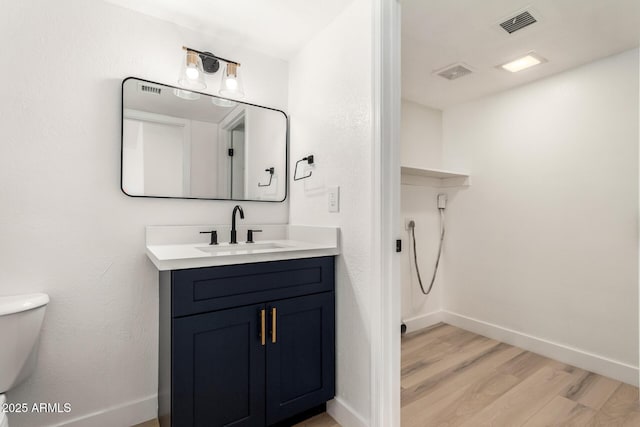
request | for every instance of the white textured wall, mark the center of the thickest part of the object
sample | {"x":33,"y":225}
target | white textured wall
{"x":65,"y":226}
{"x":204,"y":158}
{"x":421,"y":147}
{"x":265,"y":130}
{"x":421,"y":136}
{"x":330,"y":104}
{"x":419,"y":204}
{"x":544,"y":241}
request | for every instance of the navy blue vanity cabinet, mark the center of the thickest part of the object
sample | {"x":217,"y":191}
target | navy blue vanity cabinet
{"x":218,"y":362}
{"x":246,"y":345}
{"x":300,"y":355}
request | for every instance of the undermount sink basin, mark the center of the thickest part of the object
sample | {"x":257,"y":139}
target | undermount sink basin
{"x":184,"y":247}
{"x":240,"y":247}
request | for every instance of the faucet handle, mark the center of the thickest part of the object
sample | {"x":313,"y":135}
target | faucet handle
{"x":214,"y":236}
{"x":250,"y":235}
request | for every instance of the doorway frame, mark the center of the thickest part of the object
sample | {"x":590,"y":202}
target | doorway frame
{"x":385,"y":313}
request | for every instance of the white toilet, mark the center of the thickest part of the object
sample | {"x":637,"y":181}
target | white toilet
{"x":21,"y":319}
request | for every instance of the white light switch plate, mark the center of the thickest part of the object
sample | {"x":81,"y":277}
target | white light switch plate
{"x":334,"y":199}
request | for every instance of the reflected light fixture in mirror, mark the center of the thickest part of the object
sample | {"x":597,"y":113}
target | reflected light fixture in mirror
{"x":186,"y":94}
{"x":192,"y":74}
{"x":231,"y":84}
{"x":221,"y":102}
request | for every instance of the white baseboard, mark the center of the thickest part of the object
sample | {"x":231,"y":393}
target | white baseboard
{"x":563,"y":353}
{"x":344,"y":414}
{"x":127,"y":414}
{"x":142,"y":410}
{"x":423,"y":321}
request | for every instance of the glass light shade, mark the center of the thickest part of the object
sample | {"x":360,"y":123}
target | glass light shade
{"x":231,"y":84}
{"x":192,"y":75}
{"x":221,"y":102}
{"x":186,"y":94}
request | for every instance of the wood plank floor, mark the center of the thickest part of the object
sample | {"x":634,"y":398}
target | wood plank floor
{"x":452,"y":377}
{"x":322,"y":420}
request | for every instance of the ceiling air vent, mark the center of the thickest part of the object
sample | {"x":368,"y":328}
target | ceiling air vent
{"x":155,"y":90}
{"x":454,"y":72}
{"x":518,"y":22}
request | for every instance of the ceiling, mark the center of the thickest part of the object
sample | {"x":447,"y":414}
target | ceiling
{"x":438,"y":33}
{"x":168,"y":104}
{"x":275,"y":27}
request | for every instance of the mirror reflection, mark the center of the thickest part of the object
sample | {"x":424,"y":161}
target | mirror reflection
{"x":182,"y":144}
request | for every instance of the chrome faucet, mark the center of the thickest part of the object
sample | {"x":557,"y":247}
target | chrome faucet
{"x":234,"y":236}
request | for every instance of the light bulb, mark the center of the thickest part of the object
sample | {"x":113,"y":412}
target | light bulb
{"x":192,"y":72}
{"x":232,"y":84}
{"x":192,"y":75}
{"x":231,"y":81}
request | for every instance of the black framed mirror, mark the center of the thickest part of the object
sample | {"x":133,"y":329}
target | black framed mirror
{"x":189,"y":145}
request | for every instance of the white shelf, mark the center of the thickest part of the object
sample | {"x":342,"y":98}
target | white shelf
{"x":433,"y":173}
{"x":433,"y":177}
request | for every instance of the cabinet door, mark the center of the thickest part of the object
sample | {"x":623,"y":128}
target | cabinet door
{"x":301,"y":361}
{"x":218,"y":369}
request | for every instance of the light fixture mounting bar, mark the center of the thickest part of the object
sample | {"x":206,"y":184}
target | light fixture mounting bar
{"x":228,"y":61}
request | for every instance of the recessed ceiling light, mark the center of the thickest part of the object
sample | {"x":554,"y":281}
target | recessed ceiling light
{"x":527,"y":61}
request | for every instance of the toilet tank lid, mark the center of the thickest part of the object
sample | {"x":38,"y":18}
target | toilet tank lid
{"x":11,"y":304}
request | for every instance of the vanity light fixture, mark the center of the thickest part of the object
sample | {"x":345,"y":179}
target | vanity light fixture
{"x":192,"y":73}
{"x":527,"y":61}
{"x":198,"y":63}
{"x":231,"y":84}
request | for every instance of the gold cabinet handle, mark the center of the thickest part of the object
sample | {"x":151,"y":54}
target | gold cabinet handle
{"x":273,"y":325}
{"x":263,"y":332}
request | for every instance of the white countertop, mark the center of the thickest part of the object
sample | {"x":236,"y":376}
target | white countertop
{"x":180,"y":247}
